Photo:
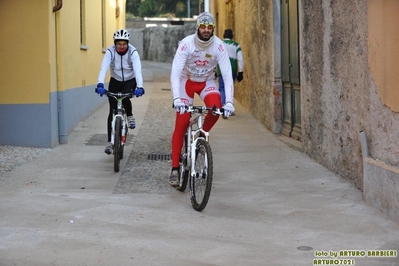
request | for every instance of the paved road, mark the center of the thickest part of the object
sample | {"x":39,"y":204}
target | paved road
{"x":270,"y":204}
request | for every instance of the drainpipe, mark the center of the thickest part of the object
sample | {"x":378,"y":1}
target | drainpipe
{"x":62,"y":134}
{"x":365,"y":151}
{"x":58,"y":6}
{"x":363,"y":143}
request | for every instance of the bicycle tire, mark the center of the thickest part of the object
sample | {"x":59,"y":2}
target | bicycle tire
{"x":183,"y":178}
{"x":201,"y":184}
{"x":117,"y":143}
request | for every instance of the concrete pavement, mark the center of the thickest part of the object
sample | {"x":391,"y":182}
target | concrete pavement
{"x":270,"y":204}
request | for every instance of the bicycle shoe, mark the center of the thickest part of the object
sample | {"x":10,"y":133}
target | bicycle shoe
{"x":132,"y":122}
{"x":109,"y":148}
{"x":174,"y":178}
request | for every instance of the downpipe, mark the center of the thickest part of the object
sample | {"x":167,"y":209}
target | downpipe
{"x":58,"y":6}
{"x":363,"y":143}
{"x":62,"y":131}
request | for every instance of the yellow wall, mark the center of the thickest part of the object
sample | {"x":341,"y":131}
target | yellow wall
{"x":48,"y":75}
{"x":81,"y":66}
{"x":41,"y":51}
{"x":383,"y":21}
{"x":24,"y":51}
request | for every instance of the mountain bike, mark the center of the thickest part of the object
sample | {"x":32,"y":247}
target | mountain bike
{"x":196,"y":160}
{"x":119,"y":126}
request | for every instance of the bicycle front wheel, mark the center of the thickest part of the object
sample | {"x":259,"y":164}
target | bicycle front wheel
{"x":201,"y":182}
{"x":122,"y":147}
{"x":117,"y":143}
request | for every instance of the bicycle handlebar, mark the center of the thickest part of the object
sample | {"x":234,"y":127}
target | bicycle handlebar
{"x":199,"y":109}
{"x":118,"y":94}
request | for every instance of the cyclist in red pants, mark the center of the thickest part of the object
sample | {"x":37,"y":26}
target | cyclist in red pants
{"x":193,"y":72}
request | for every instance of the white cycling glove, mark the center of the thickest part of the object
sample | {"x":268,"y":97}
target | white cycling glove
{"x":228,"y":109}
{"x":179,"y":106}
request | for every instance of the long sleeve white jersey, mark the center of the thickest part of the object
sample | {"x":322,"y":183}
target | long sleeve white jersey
{"x":122,"y":67}
{"x":199,"y":65}
{"x":235,"y":53}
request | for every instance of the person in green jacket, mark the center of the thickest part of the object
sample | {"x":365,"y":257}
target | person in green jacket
{"x":236,"y":61}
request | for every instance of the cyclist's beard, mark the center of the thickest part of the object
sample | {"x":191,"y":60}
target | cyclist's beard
{"x":202,"y":38}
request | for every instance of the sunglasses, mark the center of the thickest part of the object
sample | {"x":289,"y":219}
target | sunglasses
{"x":204,"y":26}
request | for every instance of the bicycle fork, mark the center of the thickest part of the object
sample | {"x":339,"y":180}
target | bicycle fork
{"x":195,"y":170}
{"x":123,"y":131}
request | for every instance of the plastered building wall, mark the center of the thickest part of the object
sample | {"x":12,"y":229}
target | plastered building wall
{"x":22,"y":80}
{"x":335,"y":82}
{"x":340,"y":96}
{"x":48,"y":74}
{"x":252,"y":23}
{"x":348,"y":71}
{"x":383,"y":57}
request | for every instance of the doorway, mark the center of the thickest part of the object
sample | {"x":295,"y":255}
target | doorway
{"x":290,"y":75}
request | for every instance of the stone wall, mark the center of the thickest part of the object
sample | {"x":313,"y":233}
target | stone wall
{"x":338,"y":95}
{"x":252,"y":22}
{"x":159,"y":44}
{"x":335,"y":82}
{"x":141,"y":23}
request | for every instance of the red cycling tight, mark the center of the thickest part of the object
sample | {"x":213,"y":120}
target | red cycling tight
{"x":209,"y":93}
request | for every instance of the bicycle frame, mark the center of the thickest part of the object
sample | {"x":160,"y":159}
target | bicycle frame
{"x":119,"y":129}
{"x":197,"y":158}
{"x":192,"y":136}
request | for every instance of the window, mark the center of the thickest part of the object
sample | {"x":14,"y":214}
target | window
{"x":103,"y":24}
{"x":83,"y":25}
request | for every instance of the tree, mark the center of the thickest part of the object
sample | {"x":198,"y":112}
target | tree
{"x":147,"y":8}
{"x":132,"y":7}
{"x":157,"y":8}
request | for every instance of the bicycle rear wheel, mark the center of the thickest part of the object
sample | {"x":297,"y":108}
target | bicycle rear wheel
{"x":201,"y":183}
{"x":117,"y":143}
{"x":183,"y":178}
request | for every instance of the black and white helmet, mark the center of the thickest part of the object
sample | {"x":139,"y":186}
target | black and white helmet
{"x":121,"y":35}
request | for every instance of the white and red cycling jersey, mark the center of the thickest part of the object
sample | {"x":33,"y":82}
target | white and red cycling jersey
{"x":198,"y":65}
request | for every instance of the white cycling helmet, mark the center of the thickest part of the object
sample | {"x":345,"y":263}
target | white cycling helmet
{"x":121,"y":35}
